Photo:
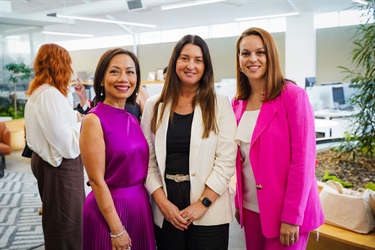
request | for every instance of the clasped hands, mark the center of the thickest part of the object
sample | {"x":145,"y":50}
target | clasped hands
{"x":182,"y":219}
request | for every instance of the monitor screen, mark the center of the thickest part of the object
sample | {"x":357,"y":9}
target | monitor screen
{"x":310,"y":81}
{"x":338,"y":95}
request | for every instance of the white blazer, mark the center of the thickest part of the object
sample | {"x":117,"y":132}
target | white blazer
{"x":211,"y":161}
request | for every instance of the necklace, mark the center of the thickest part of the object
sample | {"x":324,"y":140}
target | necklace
{"x":182,"y":106}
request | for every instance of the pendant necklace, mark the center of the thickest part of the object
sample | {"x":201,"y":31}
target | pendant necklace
{"x":182,"y":106}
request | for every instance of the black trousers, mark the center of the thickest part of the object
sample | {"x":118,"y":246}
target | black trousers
{"x":195,"y":237}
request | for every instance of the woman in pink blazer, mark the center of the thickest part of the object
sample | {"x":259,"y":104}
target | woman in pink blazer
{"x":277,"y":200}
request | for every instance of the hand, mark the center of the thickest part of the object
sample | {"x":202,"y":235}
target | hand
{"x":193,"y":212}
{"x":123,"y":242}
{"x":237,"y":215}
{"x":81,"y":92}
{"x":289,"y":234}
{"x":172,"y":214}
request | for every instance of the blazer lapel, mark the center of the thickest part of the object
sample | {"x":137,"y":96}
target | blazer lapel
{"x":266,"y":114}
{"x":161,"y":137}
{"x":196,"y":134}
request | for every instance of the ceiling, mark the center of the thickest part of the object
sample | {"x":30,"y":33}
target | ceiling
{"x":22,"y":15}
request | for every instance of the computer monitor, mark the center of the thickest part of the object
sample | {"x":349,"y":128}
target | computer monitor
{"x":310,"y":81}
{"x":338,"y":95}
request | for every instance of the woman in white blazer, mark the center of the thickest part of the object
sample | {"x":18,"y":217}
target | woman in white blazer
{"x":190,"y":131}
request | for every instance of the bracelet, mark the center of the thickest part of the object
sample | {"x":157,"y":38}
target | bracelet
{"x":117,"y":235}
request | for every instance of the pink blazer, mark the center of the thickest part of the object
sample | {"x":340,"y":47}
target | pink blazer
{"x":282,"y":155}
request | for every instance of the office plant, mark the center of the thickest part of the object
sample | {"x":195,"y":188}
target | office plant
{"x":19,"y":71}
{"x":361,"y":140}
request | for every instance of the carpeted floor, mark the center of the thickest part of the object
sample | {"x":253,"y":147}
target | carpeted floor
{"x":20,"y":223}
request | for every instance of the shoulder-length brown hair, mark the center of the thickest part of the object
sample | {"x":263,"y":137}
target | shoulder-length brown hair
{"x":101,"y":70}
{"x":52,"y":65}
{"x":205,"y":96}
{"x":274,"y":77}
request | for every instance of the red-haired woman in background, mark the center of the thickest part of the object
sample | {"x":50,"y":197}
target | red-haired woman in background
{"x":53,"y":130}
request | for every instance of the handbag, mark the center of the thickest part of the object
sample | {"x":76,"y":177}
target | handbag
{"x":27,"y":152}
{"x":349,"y":209}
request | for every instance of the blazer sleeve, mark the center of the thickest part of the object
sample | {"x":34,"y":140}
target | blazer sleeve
{"x":153,"y":180}
{"x":301,"y":175}
{"x":226,"y":149}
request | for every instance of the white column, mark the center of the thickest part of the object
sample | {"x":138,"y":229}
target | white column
{"x":300,"y":48}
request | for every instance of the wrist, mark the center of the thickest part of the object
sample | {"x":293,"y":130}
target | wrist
{"x":205,"y":201}
{"x":118,"y":234}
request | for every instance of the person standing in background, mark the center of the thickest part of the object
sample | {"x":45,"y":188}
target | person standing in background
{"x":117,"y":213}
{"x":277,"y":198}
{"x":190,"y":131}
{"x":52,"y":133}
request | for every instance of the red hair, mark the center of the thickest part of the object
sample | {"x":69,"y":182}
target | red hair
{"x":52,"y":65}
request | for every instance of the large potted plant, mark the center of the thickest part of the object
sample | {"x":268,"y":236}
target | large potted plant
{"x":19,"y":71}
{"x":361,"y":141}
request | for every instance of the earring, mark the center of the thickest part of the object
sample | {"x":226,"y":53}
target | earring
{"x":101,"y":91}
{"x":240,"y":69}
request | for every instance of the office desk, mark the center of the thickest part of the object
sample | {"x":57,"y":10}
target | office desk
{"x":329,"y":114}
{"x":322,"y":125}
{"x":334,"y":113}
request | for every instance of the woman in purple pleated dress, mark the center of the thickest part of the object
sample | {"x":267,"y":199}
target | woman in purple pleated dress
{"x":117,"y":213}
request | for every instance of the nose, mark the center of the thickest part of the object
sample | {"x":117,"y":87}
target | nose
{"x":253,"y":57}
{"x":122,"y":77}
{"x":191,"y":64}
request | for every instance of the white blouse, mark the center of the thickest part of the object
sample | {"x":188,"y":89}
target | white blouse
{"x":52,"y":130}
{"x":243,"y":139}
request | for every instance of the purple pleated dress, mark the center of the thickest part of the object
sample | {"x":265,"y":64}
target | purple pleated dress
{"x":125,"y":173}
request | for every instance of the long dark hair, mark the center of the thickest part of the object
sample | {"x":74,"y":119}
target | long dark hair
{"x":101,"y":69}
{"x":205,"y":96}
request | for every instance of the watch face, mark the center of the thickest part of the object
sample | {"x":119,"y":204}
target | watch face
{"x":206,"y":202}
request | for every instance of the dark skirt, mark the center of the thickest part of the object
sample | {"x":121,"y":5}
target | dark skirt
{"x":62,"y":193}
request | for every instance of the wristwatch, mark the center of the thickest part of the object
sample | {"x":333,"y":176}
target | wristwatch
{"x":205,"y":201}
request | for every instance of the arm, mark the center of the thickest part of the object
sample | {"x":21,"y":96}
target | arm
{"x":302,"y":166}
{"x":92,"y":147}
{"x":58,"y":122}
{"x":84,"y":104}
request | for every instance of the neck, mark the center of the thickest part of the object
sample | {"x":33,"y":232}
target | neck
{"x":115,"y":104}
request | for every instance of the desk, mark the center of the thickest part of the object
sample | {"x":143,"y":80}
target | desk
{"x":328,"y":114}
{"x":334,"y":113}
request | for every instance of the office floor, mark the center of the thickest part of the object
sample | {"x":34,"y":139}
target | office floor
{"x":16,"y":163}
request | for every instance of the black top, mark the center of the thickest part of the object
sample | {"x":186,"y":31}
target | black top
{"x":134,"y":110}
{"x":178,"y":144}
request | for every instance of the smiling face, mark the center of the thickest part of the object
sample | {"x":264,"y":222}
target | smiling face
{"x":252,"y":58}
{"x":190,"y":65}
{"x":120,"y":80}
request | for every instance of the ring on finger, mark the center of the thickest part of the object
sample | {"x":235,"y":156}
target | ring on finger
{"x":186,"y":218}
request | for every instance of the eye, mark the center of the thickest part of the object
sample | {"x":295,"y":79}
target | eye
{"x":113,"y":71}
{"x":130,"y":72}
{"x":262,"y":52}
{"x":245,"y":53}
{"x":184,"y":58}
{"x":199,"y":60}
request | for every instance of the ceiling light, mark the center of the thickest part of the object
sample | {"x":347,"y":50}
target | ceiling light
{"x":188,"y":4}
{"x":89,"y":19}
{"x":266,"y":17}
{"x":66,"y":34}
{"x":360,"y":2}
